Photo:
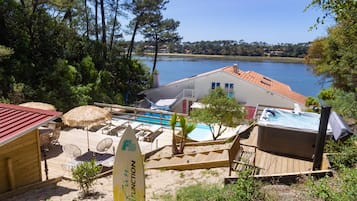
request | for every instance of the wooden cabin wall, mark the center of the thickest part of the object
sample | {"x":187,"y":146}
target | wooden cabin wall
{"x":23,"y":157}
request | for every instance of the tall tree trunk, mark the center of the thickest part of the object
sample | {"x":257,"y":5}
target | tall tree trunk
{"x":131,"y":46}
{"x":87,"y":18}
{"x":104,"y":34}
{"x":114,"y":26}
{"x":155,"y":55}
{"x":96,"y":21}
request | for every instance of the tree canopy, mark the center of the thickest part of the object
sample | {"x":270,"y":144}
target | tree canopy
{"x":70,"y":53}
{"x":219,"y":112}
{"x":334,"y":56}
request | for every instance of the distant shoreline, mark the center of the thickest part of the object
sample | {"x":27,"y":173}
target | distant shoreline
{"x":241,"y":58}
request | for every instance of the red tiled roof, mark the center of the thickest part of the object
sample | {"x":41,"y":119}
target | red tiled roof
{"x":16,"y":121}
{"x":267,"y":83}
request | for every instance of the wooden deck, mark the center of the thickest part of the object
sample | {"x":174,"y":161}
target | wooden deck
{"x":270,"y":163}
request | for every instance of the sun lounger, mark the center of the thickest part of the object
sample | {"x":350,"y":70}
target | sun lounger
{"x":135,"y":124}
{"x":149,"y":132}
{"x":115,"y":127}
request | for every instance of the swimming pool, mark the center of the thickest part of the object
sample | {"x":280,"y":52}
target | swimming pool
{"x":155,"y":118}
{"x":200,"y":133}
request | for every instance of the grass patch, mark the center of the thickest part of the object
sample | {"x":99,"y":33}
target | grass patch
{"x":209,"y":172}
{"x":343,"y":187}
{"x":244,"y":189}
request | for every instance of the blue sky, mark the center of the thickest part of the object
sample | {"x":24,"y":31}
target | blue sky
{"x":271,"y":21}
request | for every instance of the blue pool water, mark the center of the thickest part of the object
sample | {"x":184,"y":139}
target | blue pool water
{"x":200,"y":133}
{"x":154,"y":118}
{"x":286,"y":118}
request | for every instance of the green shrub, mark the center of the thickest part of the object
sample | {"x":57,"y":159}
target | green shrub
{"x":321,"y":189}
{"x":341,"y":188}
{"x":84,"y":174}
{"x":246,"y":188}
{"x":311,"y":101}
{"x":199,"y":192}
{"x":344,"y":152}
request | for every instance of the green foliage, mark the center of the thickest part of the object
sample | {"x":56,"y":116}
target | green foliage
{"x":5,"y":52}
{"x":344,"y":103}
{"x":326,"y":94}
{"x":57,"y":62}
{"x":321,"y":189}
{"x":87,"y":70}
{"x":341,"y":188}
{"x":219,"y":110}
{"x":200,"y":192}
{"x":334,"y":55}
{"x":311,"y":101}
{"x":344,"y":153}
{"x":241,"y":48}
{"x":160,"y":31}
{"x":246,"y":188}
{"x":186,"y":128}
{"x":84,"y":174}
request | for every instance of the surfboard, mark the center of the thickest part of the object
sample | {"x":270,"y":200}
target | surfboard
{"x":128,"y":170}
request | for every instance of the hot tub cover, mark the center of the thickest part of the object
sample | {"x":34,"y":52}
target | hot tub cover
{"x":339,"y":127}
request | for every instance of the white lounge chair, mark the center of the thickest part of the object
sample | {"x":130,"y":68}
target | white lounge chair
{"x":149,"y":132}
{"x":117,"y":126}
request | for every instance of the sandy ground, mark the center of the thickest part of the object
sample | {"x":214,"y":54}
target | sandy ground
{"x":158,"y":183}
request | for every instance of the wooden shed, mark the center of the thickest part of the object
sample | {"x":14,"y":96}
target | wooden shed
{"x":20,"y":154}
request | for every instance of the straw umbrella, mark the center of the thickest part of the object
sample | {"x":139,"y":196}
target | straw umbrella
{"x":86,"y":116}
{"x":39,"y":105}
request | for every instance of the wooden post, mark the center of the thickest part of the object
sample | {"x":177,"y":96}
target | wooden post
{"x":10,"y":172}
{"x":320,"y":138}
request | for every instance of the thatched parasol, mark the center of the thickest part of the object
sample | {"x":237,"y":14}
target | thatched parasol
{"x":39,"y":105}
{"x":86,"y":116}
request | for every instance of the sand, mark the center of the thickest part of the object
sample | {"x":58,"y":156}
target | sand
{"x":158,"y":183}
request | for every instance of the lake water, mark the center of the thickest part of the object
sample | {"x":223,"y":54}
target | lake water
{"x":297,"y":76}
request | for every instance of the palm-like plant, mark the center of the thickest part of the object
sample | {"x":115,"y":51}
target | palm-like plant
{"x":173,"y":126}
{"x":186,"y":129}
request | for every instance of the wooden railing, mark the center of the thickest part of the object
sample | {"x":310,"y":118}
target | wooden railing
{"x":132,"y":113}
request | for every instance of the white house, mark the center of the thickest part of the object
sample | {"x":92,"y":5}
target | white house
{"x":247,"y":87}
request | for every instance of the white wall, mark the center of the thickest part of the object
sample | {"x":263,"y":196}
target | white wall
{"x":244,"y":92}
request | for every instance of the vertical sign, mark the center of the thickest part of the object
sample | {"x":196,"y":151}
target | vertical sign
{"x":128,"y":172}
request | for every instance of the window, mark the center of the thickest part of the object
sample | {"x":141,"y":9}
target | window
{"x":215,"y":85}
{"x":228,"y":87}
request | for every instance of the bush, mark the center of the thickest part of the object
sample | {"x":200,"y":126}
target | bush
{"x":246,"y":188}
{"x":341,"y":188}
{"x":344,"y":152}
{"x":199,"y":192}
{"x":84,"y":174}
{"x":311,"y":101}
